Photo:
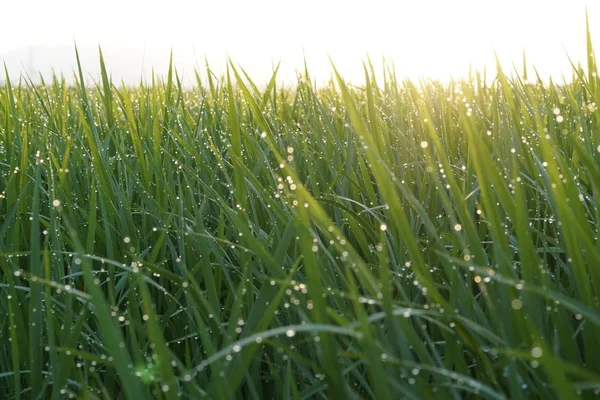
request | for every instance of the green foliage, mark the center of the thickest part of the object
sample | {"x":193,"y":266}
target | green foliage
{"x":393,"y":240}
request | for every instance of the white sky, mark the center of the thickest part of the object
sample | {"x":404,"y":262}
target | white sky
{"x":435,"y":38}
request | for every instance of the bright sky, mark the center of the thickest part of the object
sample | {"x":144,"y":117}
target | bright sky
{"x":435,"y":38}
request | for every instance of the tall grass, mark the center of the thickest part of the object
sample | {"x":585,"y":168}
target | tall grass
{"x":391,"y":240}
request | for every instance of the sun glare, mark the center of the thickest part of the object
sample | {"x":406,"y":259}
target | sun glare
{"x":433,"y":38}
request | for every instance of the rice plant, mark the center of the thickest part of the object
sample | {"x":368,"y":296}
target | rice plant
{"x":395,"y":239}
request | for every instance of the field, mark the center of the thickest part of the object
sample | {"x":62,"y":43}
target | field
{"x":389,"y":240}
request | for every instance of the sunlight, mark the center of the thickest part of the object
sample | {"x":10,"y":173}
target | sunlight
{"x":431,"y":38}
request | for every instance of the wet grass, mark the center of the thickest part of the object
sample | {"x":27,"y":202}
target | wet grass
{"x":389,"y":240}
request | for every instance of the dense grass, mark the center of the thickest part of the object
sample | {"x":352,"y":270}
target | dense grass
{"x":393,"y":240}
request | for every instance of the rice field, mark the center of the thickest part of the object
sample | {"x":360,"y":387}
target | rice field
{"x":389,"y":240}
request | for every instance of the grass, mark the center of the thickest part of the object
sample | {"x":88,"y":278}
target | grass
{"x":389,"y":240}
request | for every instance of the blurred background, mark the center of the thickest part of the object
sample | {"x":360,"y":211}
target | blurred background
{"x":427,"y":38}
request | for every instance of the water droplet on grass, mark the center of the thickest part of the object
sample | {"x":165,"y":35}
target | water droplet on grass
{"x":516,"y":304}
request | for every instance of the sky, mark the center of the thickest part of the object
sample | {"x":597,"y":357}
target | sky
{"x":424,"y":38}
